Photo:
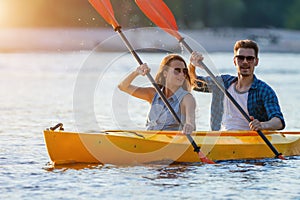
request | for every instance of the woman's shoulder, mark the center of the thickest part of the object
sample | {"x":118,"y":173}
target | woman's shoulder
{"x":189,"y":96}
{"x":189,"y":100}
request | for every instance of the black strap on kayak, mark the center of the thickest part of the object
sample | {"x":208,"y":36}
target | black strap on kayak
{"x":59,"y":125}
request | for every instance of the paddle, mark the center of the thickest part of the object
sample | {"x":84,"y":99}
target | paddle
{"x":104,"y":8}
{"x":159,"y":13}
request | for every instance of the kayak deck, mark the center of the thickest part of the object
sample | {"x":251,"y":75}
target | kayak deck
{"x":137,"y":147}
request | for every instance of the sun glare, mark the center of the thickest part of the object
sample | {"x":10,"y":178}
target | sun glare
{"x":4,"y":12}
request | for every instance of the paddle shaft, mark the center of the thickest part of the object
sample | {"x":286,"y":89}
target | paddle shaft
{"x":221,"y":87}
{"x":133,"y":52}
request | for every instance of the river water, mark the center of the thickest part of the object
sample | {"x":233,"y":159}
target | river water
{"x":79,"y":89}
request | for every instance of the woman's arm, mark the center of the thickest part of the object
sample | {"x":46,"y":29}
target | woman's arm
{"x":145,"y":93}
{"x":188,"y":105}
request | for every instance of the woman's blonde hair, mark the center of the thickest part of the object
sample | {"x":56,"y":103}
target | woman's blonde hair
{"x":164,"y":65}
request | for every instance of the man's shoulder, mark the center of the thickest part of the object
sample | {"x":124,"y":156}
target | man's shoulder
{"x":228,"y":77}
{"x":262,"y":85}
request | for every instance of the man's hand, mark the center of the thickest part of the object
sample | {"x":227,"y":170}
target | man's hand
{"x":255,"y":125}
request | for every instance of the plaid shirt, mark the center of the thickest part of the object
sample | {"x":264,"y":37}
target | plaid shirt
{"x":262,"y":101}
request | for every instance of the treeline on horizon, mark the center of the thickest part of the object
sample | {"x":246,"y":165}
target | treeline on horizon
{"x":189,"y":14}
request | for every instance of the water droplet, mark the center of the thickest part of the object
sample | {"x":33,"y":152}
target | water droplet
{"x":181,"y":47}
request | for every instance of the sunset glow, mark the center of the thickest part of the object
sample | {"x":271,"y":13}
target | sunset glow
{"x":4,"y":12}
{"x":14,"y":13}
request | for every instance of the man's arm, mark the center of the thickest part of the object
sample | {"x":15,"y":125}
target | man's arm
{"x":273,"y":124}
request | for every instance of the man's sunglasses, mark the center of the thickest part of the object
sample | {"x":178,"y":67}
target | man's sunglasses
{"x":242,"y":58}
{"x":178,"y":70}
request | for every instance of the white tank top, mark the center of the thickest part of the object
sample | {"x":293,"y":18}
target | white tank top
{"x":232,"y":118}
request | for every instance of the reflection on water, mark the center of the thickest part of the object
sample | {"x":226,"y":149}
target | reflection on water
{"x":179,"y":170}
{"x":76,"y":166}
{"x":172,"y":171}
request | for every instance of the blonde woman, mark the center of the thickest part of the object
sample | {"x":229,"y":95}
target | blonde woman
{"x":174,"y":81}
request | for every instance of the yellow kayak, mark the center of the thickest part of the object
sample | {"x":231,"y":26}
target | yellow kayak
{"x":138,"y":147}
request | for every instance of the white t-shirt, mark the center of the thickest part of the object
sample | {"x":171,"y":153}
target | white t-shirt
{"x":232,"y":118}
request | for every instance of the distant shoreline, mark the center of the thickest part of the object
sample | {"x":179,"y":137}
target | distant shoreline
{"x":76,"y":39}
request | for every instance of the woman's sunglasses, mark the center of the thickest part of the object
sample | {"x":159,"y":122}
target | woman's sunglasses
{"x":178,"y":70}
{"x":242,"y":58}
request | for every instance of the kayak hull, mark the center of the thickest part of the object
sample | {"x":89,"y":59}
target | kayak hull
{"x":139,"y":147}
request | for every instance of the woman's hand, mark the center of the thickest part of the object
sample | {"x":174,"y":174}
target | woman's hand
{"x":143,"y":69}
{"x":188,"y":129}
{"x":196,"y":58}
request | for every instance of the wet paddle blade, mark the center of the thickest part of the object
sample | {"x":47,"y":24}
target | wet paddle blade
{"x":204,"y":159}
{"x":281,"y":157}
{"x":104,"y":8}
{"x":201,"y":155}
{"x":159,"y":13}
